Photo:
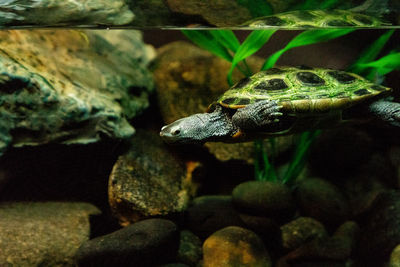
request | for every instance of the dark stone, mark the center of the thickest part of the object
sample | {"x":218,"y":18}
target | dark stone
{"x":266,"y":228}
{"x":300,"y":231}
{"x":43,"y":233}
{"x":325,"y":251}
{"x":339,"y":153}
{"x":323,"y":201}
{"x":211,"y":213}
{"x":190,"y":251}
{"x":309,"y":78}
{"x":341,"y":77}
{"x":174,"y":265}
{"x":149,"y":180}
{"x":235,"y":246}
{"x":381,"y":232}
{"x":265,"y":199}
{"x":145,"y":243}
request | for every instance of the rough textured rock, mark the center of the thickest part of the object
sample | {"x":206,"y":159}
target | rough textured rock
{"x":148,"y":181}
{"x":395,"y":257}
{"x":188,"y":79}
{"x":43,"y":233}
{"x":300,"y":231}
{"x":325,"y":251}
{"x":190,"y":251}
{"x":266,"y":199}
{"x":215,"y":12}
{"x":64,"y":12}
{"x":323,"y":201}
{"x":235,"y":246}
{"x":211,"y":213}
{"x":266,"y":228}
{"x":145,"y":243}
{"x":70,"y":86}
{"x":353,"y":148}
{"x":381,"y":232}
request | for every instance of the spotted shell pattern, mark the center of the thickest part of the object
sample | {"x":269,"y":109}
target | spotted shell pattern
{"x":316,"y":18}
{"x":302,"y":90}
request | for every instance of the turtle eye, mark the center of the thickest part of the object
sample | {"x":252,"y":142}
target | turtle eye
{"x":176,"y":132}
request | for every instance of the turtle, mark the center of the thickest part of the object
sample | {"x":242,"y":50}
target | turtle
{"x":286,"y":100}
{"x":316,"y":19}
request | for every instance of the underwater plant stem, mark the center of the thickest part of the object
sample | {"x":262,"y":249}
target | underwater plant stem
{"x":299,"y":159}
{"x":263,"y":169}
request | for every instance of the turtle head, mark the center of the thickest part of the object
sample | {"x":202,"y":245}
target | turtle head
{"x":198,"y":128}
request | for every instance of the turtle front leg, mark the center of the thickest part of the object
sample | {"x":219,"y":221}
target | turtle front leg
{"x":387,"y":111}
{"x":257,"y":116}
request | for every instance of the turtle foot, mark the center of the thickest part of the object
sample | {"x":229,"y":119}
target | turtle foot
{"x":258,"y":115}
{"x":387,"y":111}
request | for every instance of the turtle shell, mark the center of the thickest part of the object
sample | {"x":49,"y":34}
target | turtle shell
{"x":316,"y":18}
{"x":302,"y":90}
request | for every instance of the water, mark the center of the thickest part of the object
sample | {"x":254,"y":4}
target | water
{"x":86,"y":87}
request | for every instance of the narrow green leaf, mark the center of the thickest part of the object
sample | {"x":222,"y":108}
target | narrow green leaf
{"x":371,"y":52}
{"x":251,"y":44}
{"x":206,"y":41}
{"x":328,"y":4}
{"x":226,"y":38}
{"x":300,"y":156}
{"x":306,"y":38}
{"x":383,"y":65}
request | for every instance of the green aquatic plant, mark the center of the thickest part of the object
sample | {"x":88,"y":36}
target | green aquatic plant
{"x":226,"y":45}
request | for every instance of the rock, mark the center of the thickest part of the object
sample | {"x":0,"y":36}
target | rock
{"x":188,"y":79}
{"x":149,"y":181}
{"x":394,"y":157}
{"x":61,"y":13}
{"x":174,"y":265}
{"x":301,"y":230}
{"x":190,"y":251}
{"x":156,"y":13}
{"x":381,"y":233}
{"x":43,"y":233}
{"x":323,"y":201}
{"x":265,"y":199}
{"x":349,"y":230}
{"x":215,"y":12}
{"x":235,"y":246}
{"x":325,"y":251}
{"x":352,"y":148}
{"x":211,"y":213}
{"x":245,"y":151}
{"x":395,"y":257}
{"x":145,"y":243}
{"x":266,"y":228}
{"x":49,"y":93}
{"x":362,"y":188}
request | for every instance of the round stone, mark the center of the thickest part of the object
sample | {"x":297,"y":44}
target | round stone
{"x":264,"y":198}
{"x":235,"y":246}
